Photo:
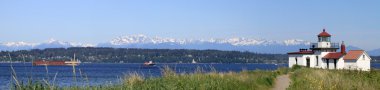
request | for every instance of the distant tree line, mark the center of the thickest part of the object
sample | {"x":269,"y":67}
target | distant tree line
{"x":133,"y":55}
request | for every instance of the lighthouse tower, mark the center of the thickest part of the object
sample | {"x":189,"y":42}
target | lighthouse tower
{"x":323,"y":47}
{"x":324,"y":43}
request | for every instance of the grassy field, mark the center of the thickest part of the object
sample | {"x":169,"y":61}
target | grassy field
{"x":245,"y":80}
{"x":319,"y":79}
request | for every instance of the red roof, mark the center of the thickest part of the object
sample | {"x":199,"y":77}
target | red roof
{"x":336,"y":55}
{"x":324,"y":34}
{"x":302,"y":52}
{"x":353,"y":54}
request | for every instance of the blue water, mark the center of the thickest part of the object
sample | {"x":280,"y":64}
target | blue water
{"x":103,"y":74}
{"x":106,"y":74}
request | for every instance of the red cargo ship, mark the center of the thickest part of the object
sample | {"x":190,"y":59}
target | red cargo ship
{"x":72,"y":62}
{"x":55,"y":63}
{"x":44,"y":62}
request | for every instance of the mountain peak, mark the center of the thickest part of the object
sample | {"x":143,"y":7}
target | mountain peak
{"x":296,"y":42}
{"x":52,"y":40}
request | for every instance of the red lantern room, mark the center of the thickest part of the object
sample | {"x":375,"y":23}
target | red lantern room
{"x":324,"y":36}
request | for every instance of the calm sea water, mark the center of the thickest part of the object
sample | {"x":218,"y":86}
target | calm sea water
{"x":106,"y":74}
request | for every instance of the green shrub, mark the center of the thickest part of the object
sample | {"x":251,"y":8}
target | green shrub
{"x":295,"y":67}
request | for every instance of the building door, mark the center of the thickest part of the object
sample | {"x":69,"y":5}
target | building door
{"x":327,"y":63}
{"x":308,"y":62}
{"x":334,"y":63}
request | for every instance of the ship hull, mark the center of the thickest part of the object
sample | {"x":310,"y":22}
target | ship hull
{"x":53,"y":63}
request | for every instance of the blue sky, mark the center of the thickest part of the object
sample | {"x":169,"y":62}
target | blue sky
{"x":94,"y":21}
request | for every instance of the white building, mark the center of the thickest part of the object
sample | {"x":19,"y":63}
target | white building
{"x":324,"y":55}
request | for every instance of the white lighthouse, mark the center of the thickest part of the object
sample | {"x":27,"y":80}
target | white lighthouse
{"x":324,"y":54}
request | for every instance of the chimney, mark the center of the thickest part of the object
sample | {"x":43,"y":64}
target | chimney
{"x":343,"y":48}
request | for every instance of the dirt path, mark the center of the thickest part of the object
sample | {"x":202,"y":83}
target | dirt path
{"x":282,"y":82}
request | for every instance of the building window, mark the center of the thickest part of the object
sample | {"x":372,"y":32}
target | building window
{"x":363,"y":57}
{"x":317,"y":60}
{"x":328,"y":39}
{"x":324,"y":39}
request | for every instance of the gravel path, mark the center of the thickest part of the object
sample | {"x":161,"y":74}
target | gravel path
{"x":282,"y":82}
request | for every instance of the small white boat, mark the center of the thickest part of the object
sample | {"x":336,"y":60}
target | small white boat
{"x":150,"y":63}
{"x":193,"y":62}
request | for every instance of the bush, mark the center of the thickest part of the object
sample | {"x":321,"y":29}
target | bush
{"x":296,"y":67}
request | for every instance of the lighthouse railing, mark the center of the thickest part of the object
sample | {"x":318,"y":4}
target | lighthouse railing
{"x":332,"y":45}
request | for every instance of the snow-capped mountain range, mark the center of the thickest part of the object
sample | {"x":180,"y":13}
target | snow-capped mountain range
{"x":52,"y":43}
{"x":239,"y":44}
{"x":143,"y":41}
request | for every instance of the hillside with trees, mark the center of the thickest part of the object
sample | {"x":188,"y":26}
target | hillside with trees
{"x":133,"y":55}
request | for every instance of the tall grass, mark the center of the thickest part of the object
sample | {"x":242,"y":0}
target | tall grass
{"x":203,"y":81}
{"x":199,"y":80}
{"x":30,"y":84}
{"x":320,"y":79}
